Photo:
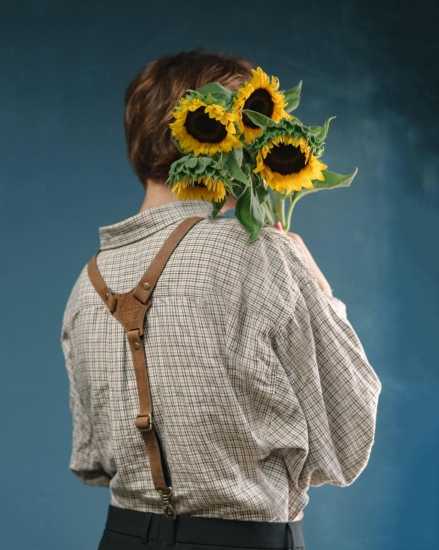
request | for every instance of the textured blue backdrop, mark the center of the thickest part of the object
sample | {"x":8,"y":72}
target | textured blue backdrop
{"x":64,"y":172}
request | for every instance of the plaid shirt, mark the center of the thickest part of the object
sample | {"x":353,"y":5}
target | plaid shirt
{"x":260,"y":385}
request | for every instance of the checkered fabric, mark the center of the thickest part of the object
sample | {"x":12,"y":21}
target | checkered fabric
{"x":260,"y":385}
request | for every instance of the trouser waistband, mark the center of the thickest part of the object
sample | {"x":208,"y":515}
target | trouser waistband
{"x":204,"y":530}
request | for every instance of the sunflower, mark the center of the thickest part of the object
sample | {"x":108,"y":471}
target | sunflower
{"x":287,"y":163}
{"x":203,"y":128}
{"x":203,"y":188}
{"x":260,"y":94}
{"x":197,"y":177}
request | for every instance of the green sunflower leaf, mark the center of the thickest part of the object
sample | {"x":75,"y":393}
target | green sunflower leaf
{"x":232,"y":166}
{"x":250,"y":215}
{"x":238,"y":156}
{"x":256,"y":209}
{"x":331,"y":181}
{"x":215,"y":91}
{"x":217,"y":207}
{"x":258,"y":118}
{"x":320,"y":132}
{"x":314,"y":130}
{"x":292,"y":97}
{"x":192,"y":94}
{"x":261,"y":191}
{"x":236,"y":188}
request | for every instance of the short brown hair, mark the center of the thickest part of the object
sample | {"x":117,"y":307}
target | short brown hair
{"x":153,"y":94}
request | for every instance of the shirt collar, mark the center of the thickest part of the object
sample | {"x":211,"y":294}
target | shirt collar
{"x":149,"y":221}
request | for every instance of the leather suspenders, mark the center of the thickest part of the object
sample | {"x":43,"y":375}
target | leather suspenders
{"x":130,"y":308}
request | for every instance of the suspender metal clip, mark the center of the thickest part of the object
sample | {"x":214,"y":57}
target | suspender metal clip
{"x":168,"y":506}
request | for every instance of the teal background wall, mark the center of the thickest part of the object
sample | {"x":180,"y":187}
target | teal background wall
{"x":64,"y":172}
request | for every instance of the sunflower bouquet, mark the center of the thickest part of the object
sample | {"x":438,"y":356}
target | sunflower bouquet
{"x":246,"y":143}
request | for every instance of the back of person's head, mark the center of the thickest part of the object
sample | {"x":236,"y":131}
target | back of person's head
{"x":152,"y":95}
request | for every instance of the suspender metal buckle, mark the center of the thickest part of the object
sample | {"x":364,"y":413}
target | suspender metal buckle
{"x":135,"y":338}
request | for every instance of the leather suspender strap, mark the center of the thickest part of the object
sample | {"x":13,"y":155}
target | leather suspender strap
{"x":130,"y":308}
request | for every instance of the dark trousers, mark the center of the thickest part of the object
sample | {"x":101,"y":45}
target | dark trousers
{"x":133,"y":530}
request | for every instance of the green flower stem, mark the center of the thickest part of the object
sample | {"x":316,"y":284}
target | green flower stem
{"x":294,"y":197}
{"x":278,"y":203}
{"x":269,"y":218}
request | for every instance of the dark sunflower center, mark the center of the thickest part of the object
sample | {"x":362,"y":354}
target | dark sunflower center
{"x":260,"y":100}
{"x":203,"y":128}
{"x":285,"y":159}
{"x":198,"y":184}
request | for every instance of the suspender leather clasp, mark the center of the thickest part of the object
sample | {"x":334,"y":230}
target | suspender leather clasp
{"x":143,"y":422}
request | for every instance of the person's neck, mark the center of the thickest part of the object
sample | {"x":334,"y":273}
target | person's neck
{"x":157,"y":194}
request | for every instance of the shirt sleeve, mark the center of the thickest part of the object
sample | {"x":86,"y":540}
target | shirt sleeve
{"x":336,"y":387}
{"x":84,"y":458}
